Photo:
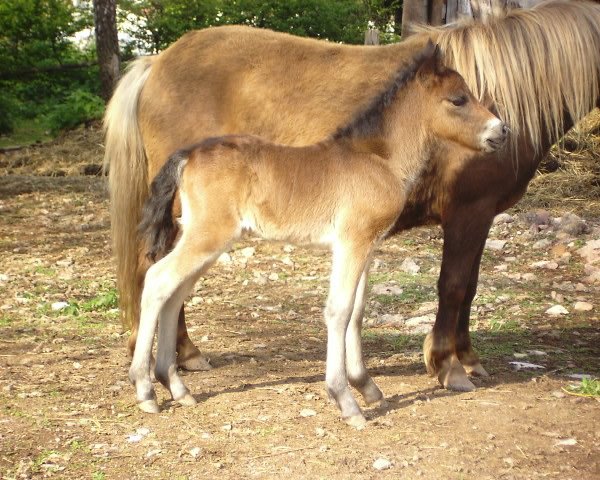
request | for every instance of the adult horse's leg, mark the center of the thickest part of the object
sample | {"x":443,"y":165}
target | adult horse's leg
{"x":358,"y":376}
{"x":464,"y":350}
{"x":188,"y":355}
{"x":465,"y":230}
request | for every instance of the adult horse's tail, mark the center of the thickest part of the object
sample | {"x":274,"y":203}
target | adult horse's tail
{"x":125,"y":161}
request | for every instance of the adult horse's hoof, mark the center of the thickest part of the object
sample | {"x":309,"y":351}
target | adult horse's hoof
{"x":454,"y":377}
{"x":194,"y":363}
{"x":149,"y":406}
{"x":187,"y":400}
{"x":476,"y":370}
{"x":356,"y":421}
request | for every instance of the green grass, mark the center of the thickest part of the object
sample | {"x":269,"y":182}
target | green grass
{"x":98,"y":475}
{"x":27,"y":132}
{"x":589,"y":387}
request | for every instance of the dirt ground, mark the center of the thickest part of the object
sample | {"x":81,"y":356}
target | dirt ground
{"x":67,"y":409}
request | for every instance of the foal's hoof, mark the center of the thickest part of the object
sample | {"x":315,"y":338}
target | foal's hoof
{"x":194,"y":363}
{"x":187,"y":400}
{"x":149,"y":406}
{"x":476,"y":370}
{"x":381,"y":404}
{"x":356,"y":421}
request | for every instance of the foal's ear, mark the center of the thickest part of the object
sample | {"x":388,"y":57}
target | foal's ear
{"x":432,"y":60}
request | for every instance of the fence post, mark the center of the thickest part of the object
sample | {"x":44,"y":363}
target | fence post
{"x":372,"y":36}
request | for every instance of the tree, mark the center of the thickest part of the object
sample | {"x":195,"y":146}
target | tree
{"x":107,"y":44}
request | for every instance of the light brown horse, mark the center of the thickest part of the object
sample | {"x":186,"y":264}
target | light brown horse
{"x":345,"y":192}
{"x":538,"y":68}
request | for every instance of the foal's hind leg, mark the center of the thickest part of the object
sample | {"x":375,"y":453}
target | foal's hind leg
{"x":166,"y":367}
{"x":358,"y":376}
{"x":348,"y":264}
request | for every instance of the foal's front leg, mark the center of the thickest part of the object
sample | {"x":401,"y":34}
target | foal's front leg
{"x":358,"y":376}
{"x":347,"y":266}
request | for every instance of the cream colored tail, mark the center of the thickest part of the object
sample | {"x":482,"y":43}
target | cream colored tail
{"x":125,"y":161}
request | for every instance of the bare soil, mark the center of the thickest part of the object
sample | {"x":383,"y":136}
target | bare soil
{"x":68,"y":411}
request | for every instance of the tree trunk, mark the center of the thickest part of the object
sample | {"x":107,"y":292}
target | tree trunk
{"x":413,"y":11}
{"x":107,"y":44}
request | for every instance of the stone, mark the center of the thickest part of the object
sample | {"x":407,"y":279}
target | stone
{"x":409,"y":266}
{"x":566,"y":442}
{"x":274,"y":277}
{"x":557,"y":310}
{"x":195,"y":452}
{"x":390,"y":319}
{"x":247,"y":252}
{"x":571,"y":224}
{"x":590,"y":251}
{"x":593,"y":274}
{"x":546,"y":264}
{"x":224,"y":259}
{"x":542,"y":244}
{"x":424,"y":319}
{"x":307,"y":412}
{"x":525,"y":366}
{"x":503,"y":218}
{"x":386,"y":289}
{"x":491,"y":244}
{"x":58,"y":306}
{"x":583,"y":307}
{"x":382,"y":464}
{"x":538,"y":217}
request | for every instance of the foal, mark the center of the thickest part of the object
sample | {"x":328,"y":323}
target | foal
{"x":345,"y":192}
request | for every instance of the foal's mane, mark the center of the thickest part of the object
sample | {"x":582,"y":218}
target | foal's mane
{"x":368,"y":121}
{"x":535,"y":64}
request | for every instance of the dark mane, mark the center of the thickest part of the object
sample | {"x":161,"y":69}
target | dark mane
{"x":368,"y":121}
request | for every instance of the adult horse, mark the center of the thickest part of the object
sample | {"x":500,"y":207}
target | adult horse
{"x":538,"y":68}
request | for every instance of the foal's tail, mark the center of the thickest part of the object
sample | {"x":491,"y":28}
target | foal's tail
{"x":157,"y":227}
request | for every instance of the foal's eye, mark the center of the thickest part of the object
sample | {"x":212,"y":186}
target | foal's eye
{"x":458,"y":101}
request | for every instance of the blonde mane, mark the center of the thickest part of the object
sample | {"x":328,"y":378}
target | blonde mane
{"x":535,"y":65}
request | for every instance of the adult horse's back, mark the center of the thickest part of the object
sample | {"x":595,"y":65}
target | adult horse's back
{"x":539,"y":68}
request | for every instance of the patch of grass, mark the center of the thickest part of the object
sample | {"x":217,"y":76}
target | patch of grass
{"x":589,"y":387}
{"x":103,"y":302}
{"x":403,"y":343}
{"x":27,"y":132}
{"x":49,"y":272}
{"x":6,"y":320}
{"x":41,"y":459}
{"x":98,"y":475}
{"x":504,"y":325}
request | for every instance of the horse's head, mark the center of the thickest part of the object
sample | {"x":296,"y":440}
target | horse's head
{"x":452,"y":112}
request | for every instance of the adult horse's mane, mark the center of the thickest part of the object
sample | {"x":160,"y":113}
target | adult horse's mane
{"x":533,"y":64}
{"x":368,"y":121}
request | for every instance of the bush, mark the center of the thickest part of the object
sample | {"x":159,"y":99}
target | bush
{"x":80,"y":106}
{"x":8,"y":112}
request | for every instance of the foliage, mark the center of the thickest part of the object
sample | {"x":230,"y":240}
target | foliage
{"x":78,"y":107}
{"x":155,"y":25}
{"x":589,"y":387}
{"x":37,"y":41}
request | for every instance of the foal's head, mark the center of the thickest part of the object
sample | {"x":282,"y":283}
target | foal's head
{"x":451,"y":112}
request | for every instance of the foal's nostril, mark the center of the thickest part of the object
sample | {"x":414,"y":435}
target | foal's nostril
{"x":505,"y":129}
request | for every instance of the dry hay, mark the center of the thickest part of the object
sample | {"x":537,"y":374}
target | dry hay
{"x":569,"y":178}
{"x":77,"y":152}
